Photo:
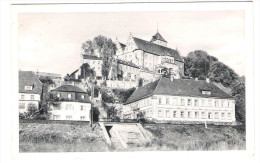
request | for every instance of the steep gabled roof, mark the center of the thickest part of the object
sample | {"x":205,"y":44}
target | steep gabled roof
{"x":156,"y":49}
{"x":28,"y":78}
{"x":158,"y":36}
{"x":69,"y":88}
{"x":178,"y":87}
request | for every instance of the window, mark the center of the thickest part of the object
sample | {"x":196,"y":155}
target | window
{"x":209,"y":103}
{"x":203,"y":115}
{"x":82,"y":118}
{"x":175,"y":102}
{"x":206,"y":92}
{"x":222,"y":103}
{"x":202,"y":102}
{"x":189,"y":102}
{"x":167,"y":113}
{"x":229,"y":115}
{"x":223,"y":115}
{"x":160,"y":101}
{"x":82,"y":108}
{"x":21,"y":105}
{"x":182,"y":114}
{"x":228,"y":105}
{"x":56,"y":117}
{"x":32,"y":97}
{"x":22,"y":97}
{"x":182,"y":102}
{"x":29,"y":88}
{"x":167,"y":100}
{"x":209,"y":115}
{"x":82,"y":96}
{"x":189,"y":114}
{"x":58,"y":95}
{"x":216,"y":115}
{"x":151,"y":113}
{"x":196,"y":102}
{"x":216,"y":104}
{"x":174,"y":114}
{"x":69,"y":95}
{"x":159,"y":113}
{"x":196,"y":114}
{"x":69,"y":107}
{"x":68,"y":117}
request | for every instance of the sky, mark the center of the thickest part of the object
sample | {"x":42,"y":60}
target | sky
{"x":51,"y":42}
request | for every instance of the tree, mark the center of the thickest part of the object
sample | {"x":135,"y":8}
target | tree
{"x":46,"y":80}
{"x":105,"y":47}
{"x":86,"y":71}
{"x":238,"y":91}
{"x":197,"y":64}
{"x":223,"y":74}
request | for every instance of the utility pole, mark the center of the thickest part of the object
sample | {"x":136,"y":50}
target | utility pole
{"x":92,"y":97}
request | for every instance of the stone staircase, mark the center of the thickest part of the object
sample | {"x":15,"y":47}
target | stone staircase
{"x":124,"y":135}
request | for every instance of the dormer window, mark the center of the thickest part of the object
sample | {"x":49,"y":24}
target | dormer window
{"x":29,"y":88}
{"x":206,"y":92}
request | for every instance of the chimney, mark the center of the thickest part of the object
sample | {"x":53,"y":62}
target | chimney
{"x":207,"y":80}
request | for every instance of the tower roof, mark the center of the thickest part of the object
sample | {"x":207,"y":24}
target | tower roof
{"x":158,"y":36}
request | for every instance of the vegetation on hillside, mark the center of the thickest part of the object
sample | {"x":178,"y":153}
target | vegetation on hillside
{"x":199,"y":64}
{"x":105,"y":47}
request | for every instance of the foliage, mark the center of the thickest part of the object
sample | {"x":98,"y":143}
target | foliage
{"x":111,"y":112}
{"x":47,"y":100}
{"x":223,"y":74}
{"x":86,"y":71}
{"x":166,"y":72}
{"x":238,"y":91}
{"x":123,"y":94}
{"x":105,"y":47}
{"x":197,"y":64}
{"x":107,"y":98}
{"x":46,"y":80}
{"x":32,"y":110}
{"x":141,"y":117}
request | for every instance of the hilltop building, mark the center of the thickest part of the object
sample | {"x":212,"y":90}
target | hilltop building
{"x":74,"y":104}
{"x":180,"y":100}
{"x":146,"y":56}
{"x":30,"y":90}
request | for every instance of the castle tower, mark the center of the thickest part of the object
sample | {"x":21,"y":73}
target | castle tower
{"x":158,"y":39}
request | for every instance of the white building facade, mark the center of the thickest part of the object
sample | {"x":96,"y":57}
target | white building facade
{"x":74,"y":111}
{"x":73,"y":104}
{"x":163,"y":107}
{"x":30,"y":90}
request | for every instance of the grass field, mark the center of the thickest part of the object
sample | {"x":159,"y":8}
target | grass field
{"x":196,"y":137}
{"x":35,"y":137}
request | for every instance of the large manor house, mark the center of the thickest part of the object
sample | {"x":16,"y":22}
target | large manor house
{"x":160,"y":99}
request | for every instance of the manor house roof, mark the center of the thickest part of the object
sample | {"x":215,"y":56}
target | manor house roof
{"x":178,"y":87}
{"x":69,"y":88}
{"x":156,"y":49}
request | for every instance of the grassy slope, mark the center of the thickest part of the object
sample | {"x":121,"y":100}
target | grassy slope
{"x":35,"y":137}
{"x":196,"y":137}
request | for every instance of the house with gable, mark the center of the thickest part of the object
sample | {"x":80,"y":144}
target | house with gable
{"x":30,"y":90}
{"x":185,"y":100}
{"x":74,"y":104}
